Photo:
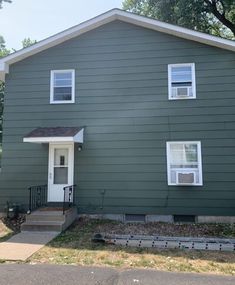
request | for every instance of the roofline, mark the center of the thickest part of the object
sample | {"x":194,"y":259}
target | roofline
{"x":107,"y":17}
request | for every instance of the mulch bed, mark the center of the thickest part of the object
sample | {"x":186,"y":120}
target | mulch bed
{"x":160,"y":229}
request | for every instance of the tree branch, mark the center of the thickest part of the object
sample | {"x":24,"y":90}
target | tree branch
{"x":212,"y":7}
{"x":223,"y":6}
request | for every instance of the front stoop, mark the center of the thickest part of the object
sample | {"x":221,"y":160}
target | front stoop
{"x":46,"y":221}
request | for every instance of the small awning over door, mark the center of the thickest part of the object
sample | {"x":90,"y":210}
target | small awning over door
{"x":57,"y":134}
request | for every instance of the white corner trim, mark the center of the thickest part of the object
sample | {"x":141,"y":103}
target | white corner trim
{"x":4,"y":69}
{"x":4,"y":66}
{"x":114,"y":14}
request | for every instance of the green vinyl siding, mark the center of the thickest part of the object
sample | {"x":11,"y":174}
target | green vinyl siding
{"x":121,"y":97}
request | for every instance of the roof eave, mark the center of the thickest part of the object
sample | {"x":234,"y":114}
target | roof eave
{"x":176,"y":31}
{"x":105,"y":18}
{"x":55,"y":40}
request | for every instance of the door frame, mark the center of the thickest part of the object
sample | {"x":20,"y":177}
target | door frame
{"x":51,"y":149}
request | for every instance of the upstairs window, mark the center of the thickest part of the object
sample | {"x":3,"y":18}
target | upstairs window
{"x":184,"y":163}
{"x":181,"y":81}
{"x":62,"y":86}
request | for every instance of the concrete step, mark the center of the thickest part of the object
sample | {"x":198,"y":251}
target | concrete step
{"x":49,"y":220}
{"x":46,"y":216}
{"x":42,"y":226}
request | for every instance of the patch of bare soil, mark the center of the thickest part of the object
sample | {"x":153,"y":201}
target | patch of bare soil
{"x":164,"y":229}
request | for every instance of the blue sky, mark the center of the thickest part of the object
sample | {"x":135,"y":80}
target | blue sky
{"x":41,"y":19}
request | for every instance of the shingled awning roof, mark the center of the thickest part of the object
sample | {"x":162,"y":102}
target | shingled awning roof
{"x":57,"y":134}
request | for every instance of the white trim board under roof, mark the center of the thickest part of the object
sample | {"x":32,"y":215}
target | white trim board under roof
{"x":112,"y":15}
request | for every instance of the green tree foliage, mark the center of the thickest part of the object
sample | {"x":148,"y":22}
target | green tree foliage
{"x":3,"y":50}
{"x":1,"y":2}
{"x":216,"y":17}
{"x":27,"y":42}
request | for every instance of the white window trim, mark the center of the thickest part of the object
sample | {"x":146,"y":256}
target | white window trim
{"x":170,"y":80}
{"x":52,"y":87}
{"x":168,"y":155}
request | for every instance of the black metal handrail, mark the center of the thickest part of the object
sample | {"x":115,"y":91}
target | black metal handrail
{"x":69,"y":197}
{"x":37,"y":197}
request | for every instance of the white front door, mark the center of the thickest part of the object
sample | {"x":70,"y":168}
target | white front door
{"x":60,"y":170}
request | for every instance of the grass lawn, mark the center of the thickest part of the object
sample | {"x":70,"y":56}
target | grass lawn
{"x":75,"y":247}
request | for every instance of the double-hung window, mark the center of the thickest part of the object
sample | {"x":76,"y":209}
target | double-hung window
{"x":184,"y":163}
{"x":181,"y":81}
{"x":62,"y":86}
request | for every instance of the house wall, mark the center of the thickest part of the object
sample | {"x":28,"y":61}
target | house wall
{"x":122,"y":100}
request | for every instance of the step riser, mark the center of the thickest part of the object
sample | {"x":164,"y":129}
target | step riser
{"x":41,"y":228}
{"x":36,"y":218}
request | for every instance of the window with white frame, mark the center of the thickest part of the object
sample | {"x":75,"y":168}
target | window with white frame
{"x":184,"y":163}
{"x":181,"y":81}
{"x":62,"y":86}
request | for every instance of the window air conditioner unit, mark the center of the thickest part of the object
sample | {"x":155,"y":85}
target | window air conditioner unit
{"x":182,"y":92}
{"x":185,"y":178}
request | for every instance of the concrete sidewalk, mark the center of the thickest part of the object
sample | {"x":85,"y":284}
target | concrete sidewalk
{"x":23,"y":245}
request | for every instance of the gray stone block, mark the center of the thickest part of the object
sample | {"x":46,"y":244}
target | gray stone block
{"x":159,"y":218}
{"x":113,"y":217}
{"x":216,"y":219}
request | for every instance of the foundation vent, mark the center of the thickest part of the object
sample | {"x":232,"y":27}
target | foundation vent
{"x":184,"y":219}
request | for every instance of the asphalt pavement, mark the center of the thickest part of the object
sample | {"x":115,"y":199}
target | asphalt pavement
{"x":21,"y":274}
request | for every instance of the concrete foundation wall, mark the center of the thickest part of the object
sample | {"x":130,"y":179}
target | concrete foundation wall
{"x":162,"y":218}
{"x":216,"y":219}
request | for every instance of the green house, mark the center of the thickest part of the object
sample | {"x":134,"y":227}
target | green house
{"x":137,"y":113}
